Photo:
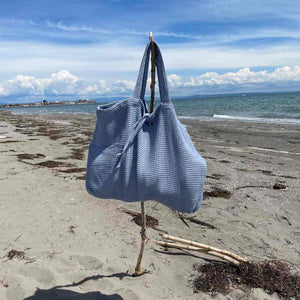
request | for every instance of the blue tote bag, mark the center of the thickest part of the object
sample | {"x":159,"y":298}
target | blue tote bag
{"x":135,"y":155}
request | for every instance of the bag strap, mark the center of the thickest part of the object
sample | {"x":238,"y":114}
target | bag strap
{"x":139,"y":91}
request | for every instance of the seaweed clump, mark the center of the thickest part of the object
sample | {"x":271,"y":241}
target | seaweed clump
{"x":77,"y":153}
{"x":218,"y":193}
{"x":83,"y":177}
{"x":14,"y":253}
{"x":30,"y":156}
{"x":273,"y":276}
{"x":52,"y":164}
{"x":137,"y":219}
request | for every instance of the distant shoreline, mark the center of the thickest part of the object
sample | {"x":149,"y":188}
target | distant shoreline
{"x":46,"y":103}
{"x":271,"y":108}
{"x":187,"y":97}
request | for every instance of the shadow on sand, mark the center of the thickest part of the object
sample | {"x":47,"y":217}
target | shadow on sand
{"x":58,"y":293}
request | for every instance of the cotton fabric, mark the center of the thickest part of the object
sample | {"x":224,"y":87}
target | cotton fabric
{"x":136,"y":155}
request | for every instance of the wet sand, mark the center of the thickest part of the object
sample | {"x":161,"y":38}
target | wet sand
{"x":78,"y":247}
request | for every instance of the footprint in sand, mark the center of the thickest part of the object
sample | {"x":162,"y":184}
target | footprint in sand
{"x":88,"y":262}
{"x":39,"y":274}
{"x":63,"y":265}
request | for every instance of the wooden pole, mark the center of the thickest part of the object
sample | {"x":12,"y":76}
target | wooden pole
{"x":138,"y":270}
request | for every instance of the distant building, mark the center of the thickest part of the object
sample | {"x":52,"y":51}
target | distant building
{"x":82,"y":101}
{"x":45,"y":102}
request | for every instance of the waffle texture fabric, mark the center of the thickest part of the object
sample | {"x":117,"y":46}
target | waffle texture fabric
{"x":136,"y":155}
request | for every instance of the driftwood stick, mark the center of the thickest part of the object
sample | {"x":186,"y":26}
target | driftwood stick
{"x":199,"y":245}
{"x":152,"y":86}
{"x":225,"y":257}
{"x":138,"y":270}
{"x":180,"y":246}
{"x":202,"y":250}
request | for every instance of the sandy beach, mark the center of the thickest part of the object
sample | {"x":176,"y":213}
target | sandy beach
{"x":74,"y":246}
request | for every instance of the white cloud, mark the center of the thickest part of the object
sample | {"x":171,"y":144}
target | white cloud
{"x":110,"y":59}
{"x":85,"y":28}
{"x":61,"y":83}
{"x":62,"y":26}
{"x":21,"y":85}
{"x":286,"y":74}
{"x":99,"y":88}
{"x":203,"y":39}
{"x":103,"y":87}
{"x":64,"y":83}
{"x":123,"y":85}
{"x":245,"y":76}
{"x":191,"y":56}
{"x":174,"y":81}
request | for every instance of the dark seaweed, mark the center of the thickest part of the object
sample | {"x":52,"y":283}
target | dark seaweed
{"x":273,"y":276}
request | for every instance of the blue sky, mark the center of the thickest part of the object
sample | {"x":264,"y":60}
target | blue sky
{"x":92,"y":48}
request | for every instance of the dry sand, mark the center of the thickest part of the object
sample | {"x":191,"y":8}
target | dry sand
{"x":79,"y":247}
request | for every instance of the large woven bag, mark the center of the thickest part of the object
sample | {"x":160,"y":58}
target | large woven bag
{"x":137,"y":156}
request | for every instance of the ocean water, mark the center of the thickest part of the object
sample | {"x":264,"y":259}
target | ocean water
{"x":271,"y":108}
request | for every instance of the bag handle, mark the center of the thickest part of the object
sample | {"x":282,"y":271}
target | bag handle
{"x":140,"y":87}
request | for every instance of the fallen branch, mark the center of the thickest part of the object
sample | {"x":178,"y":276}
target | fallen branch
{"x":199,"y":245}
{"x":192,"y":248}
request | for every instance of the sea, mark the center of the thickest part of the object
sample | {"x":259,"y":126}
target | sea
{"x":282,"y":108}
